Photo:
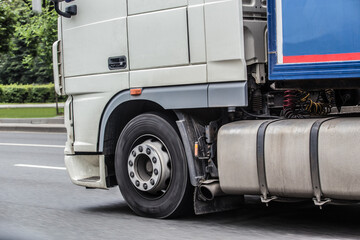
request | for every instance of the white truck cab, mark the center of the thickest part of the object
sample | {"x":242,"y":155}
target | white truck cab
{"x":165,"y":97}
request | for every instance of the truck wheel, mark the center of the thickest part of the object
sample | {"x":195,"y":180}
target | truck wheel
{"x":151,"y":168}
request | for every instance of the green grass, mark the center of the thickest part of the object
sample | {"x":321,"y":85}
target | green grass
{"x":29,"y":112}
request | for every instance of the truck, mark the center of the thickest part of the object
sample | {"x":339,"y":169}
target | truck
{"x":190,"y":105}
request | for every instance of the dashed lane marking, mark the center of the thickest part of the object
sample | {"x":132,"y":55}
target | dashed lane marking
{"x":39,"y":166}
{"x":31,"y":145}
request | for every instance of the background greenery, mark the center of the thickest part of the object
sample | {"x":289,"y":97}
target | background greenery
{"x":29,"y":112}
{"x":25,"y":42}
{"x":15,"y":93}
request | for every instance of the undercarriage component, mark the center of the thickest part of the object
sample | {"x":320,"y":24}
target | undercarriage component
{"x":259,"y":74}
{"x":210,"y":189}
{"x":257,"y":101}
{"x":218,"y":204}
{"x":298,"y":104}
{"x":303,"y":158}
{"x":190,"y":134}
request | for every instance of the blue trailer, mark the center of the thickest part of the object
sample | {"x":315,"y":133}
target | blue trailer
{"x":314,"y":39}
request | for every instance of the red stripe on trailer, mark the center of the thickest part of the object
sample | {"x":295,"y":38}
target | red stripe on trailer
{"x":322,"y":58}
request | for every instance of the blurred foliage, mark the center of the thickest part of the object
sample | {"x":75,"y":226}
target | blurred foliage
{"x":26,"y":50}
{"x":7,"y":27}
{"x":15,"y":93}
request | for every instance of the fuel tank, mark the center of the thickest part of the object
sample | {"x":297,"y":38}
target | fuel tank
{"x":302,"y":158}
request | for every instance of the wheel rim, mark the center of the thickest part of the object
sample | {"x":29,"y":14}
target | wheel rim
{"x":149,"y":166}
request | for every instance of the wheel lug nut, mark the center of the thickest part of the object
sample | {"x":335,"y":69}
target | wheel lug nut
{"x":137,"y":183}
{"x":145,"y":186}
{"x":152,"y":182}
{"x":154,"y":160}
{"x":133,"y":153}
{"x":132,"y":174}
{"x":140,"y":148}
{"x":156,"y":172}
{"x":148,"y":151}
{"x":131,"y":163}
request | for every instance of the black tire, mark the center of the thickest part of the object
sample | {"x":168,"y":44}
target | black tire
{"x":176,"y":197}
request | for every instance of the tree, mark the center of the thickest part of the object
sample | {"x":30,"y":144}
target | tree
{"x":29,"y":59}
{"x":7,"y":22}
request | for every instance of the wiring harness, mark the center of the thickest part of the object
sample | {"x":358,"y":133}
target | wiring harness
{"x":298,"y":103}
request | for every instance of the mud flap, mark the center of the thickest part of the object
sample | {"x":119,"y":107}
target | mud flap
{"x":219,"y":204}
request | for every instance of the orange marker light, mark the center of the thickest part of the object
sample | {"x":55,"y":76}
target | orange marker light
{"x":135,"y":91}
{"x":196,"y":149}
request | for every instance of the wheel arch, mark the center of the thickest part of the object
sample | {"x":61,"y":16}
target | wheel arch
{"x":168,"y":99}
{"x":151,"y":99}
{"x":115,"y":120}
{"x":171,"y":101}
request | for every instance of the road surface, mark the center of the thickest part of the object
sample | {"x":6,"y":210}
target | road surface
{"x":38,"y":201}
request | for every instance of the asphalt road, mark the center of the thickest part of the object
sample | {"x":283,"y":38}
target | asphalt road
{"x":42,"y":203}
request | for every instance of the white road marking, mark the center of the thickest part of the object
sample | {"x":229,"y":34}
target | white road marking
{"x":31,"y":145}
{"x":39,"y":166}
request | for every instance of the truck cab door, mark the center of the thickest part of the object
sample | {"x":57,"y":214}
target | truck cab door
{"x":94,"y":41}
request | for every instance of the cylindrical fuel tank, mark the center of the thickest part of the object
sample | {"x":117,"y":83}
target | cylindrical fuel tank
{"x":287,"y":161}
{"x":339,"y":158}
{"x":237,"y":157}
{"x":291,"y":158}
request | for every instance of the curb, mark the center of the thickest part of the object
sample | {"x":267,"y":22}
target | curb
{"x":56,"y":120}
{"x":29,"y":127}
{"x":41,"y":105}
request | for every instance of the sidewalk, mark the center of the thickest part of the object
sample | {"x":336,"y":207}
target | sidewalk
{"x":51,"y":125}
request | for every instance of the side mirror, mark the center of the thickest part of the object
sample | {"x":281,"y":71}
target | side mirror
{"x":69,"y":11}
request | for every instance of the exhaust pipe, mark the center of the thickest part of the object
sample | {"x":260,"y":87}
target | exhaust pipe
{"x":211,"y":190}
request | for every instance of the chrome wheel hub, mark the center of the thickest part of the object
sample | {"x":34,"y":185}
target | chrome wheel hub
{"x":148,"y":166}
